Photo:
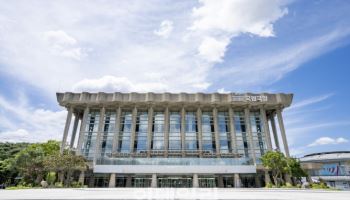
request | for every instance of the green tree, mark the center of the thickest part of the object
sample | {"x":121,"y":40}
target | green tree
{"x":295,"y":169}
{"x":276,"y":162}
{"x":65,"y":164}
{"x":8,"y":171}
{"x":30,"y":161}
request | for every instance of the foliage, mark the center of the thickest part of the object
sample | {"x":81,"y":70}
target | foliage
{"x":8,"y":151}
{"x":65,"y":164}
{"x":30,"y":161}
{"x":295,"y":169}
{"x":320,"y":185}
{"x":277,"y":163}
{"x":51,"y":178}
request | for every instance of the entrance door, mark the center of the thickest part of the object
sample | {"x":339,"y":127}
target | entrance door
{"x":174,"y":182}
{"x":207,"y":182}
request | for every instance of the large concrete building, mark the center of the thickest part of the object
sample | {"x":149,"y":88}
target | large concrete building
{"x":331,"y":167}
{"x":174,"y":140}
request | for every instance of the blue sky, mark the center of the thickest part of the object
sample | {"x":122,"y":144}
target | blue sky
{"x":299,"y":47}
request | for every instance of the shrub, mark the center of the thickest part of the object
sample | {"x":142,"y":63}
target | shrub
{"x":58,"y":184}
{"x":269,"y":185}
{"x":51,"y":178}
{"x":76,"y":184}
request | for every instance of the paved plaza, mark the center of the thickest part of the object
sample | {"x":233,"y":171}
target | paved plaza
{"x":173,"y":193}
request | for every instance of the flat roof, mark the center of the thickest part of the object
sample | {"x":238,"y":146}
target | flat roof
{"x":279,"y":99}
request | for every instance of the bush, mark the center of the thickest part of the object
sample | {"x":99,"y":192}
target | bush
{"x":76,"y":184}
{"x":18,"y":187}
{"x":319,"y":186}
{"x":288,"y":185}
{"x":269,"y":185}
{"x":51,"y":178}
{"x":59,"y":185}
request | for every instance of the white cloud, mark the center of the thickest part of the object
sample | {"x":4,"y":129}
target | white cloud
{"x":265,"y":68}
{"x":29,"y":124}
{"x":327,"y":141}
{"x":112,"y":84}
{"x":165,"y":29}
{"x":62,"y":44}
{"x":239,"y":16}
{"x":220,"y":21}
{"x":308,"y":102}
{"x":212,"y":49}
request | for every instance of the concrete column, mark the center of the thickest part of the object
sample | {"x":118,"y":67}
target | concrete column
{"x":133,"y":130}
{"x":195,"y":182}
{"x":112,"y":181}
{"x":232,"y":131}
{"x":99,"y":134}
{"x":274,"y":131}
{"x":117,"y":129}
{"x":283,"y":132}
{"x":199,"y":134}
{"x":128,"y":181}
{"x":216,"y":130}
{"x":237,"y":181}
{"x":257,"y":181}
{"x":66,"y":128}
{"x":154,"y":181}
{"x":183,"y":124}
{"x":82,"y":177}
{"x":82,"y":130}
{"x":75,"y":128}
{"x":150,"y":131}
{"x":166,"y":131}
{"x":220,"y":181}
{"x":266,"y":129}
{"x":267,"y":177}
{"x":249,"y":133}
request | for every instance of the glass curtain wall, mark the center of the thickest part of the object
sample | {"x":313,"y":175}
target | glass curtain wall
{"x":191,"y":130}
{"x":174,"y":131}
{"x":208,"y":134}
{"x":108,"y":132}
{"x":90,"y":134}
{"x":158,"y":131}
{"x":224,"y":134}
{"x":141,"y":131}
{"x":241,"y":134}
{"x":258,"y":134}
{"x":125,"y":132}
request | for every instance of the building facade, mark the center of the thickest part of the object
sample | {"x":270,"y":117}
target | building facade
{"x":174,"y":140}
{"x":331,"y":167}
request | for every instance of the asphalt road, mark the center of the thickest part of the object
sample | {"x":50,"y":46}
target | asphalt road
{"x":174,"y":193}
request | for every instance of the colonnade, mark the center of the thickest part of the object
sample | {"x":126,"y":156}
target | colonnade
{"x":266,"y":120}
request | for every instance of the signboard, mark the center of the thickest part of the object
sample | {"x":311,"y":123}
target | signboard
{"x":330,"y":170}
{"x":250,"y":98}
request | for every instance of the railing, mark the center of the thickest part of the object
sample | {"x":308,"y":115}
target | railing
{"x":173,"y":161}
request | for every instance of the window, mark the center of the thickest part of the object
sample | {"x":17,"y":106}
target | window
{"x":174,"y":131}
{"x":241,"y":134}
{"x":257,"y":134}
{"x":208,"y":134}
{"x":158,"y":131}
{"x":191,"y":130}
{"x":108,"y":132}
{"x":125,"y":132}
{"x":90,"y":134}
{"x":141,"y":131}
{"x":224,"y":134}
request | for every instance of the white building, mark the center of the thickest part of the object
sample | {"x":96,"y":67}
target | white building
{"x":174,"y":140}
